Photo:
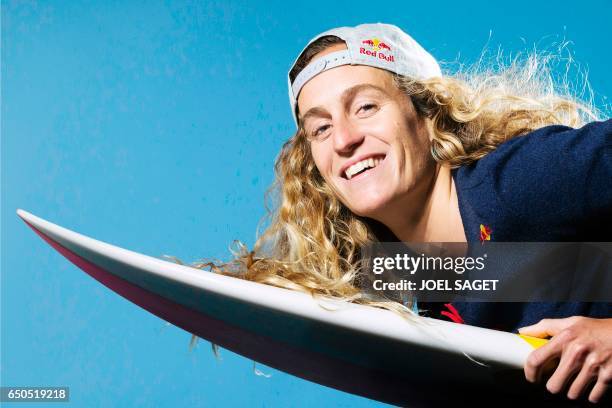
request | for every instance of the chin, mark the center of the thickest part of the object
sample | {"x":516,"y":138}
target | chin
{"x":367,"y":209}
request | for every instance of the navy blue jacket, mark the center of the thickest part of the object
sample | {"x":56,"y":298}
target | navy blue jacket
{"x":551,"y":185}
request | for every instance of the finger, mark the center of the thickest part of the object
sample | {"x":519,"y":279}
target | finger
{"x":543,"y":358}
{"x":570,"y":363}
{"x":582,"y":381}
{"x":546,"y":327}
{"x":598,"y":391}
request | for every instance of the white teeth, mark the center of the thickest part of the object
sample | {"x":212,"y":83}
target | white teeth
{"x":357,"y":167}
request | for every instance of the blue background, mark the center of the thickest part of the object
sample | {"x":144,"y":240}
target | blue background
{"x":154,"y":126}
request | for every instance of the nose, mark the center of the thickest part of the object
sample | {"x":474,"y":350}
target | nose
{"x":346,"y":136}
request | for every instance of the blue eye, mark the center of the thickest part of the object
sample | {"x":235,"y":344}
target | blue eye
{"x":366,"y":108}
{"x":320,"y":130}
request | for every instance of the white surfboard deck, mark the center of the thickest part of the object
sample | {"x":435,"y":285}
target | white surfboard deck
{"x":359,"y":349}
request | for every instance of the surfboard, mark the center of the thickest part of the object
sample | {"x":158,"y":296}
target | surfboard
{"x":354,"y":348}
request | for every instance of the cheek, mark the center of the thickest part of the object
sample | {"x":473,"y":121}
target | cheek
{"x":416,"y":142}
{"x":322,"y":158}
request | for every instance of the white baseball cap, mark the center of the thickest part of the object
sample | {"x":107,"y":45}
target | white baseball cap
{"x":378,"y":45}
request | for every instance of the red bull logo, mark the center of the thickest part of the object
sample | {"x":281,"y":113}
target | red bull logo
{"x":485,"y":233}
{"x":376,"y":46}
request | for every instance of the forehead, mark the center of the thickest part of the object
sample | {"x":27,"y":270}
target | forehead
{"x":327,"y":87}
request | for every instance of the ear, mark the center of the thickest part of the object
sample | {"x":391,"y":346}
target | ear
{"x":428,"y":126}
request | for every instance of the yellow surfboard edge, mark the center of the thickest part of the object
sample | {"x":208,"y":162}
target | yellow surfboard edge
{"x":535,"y":342}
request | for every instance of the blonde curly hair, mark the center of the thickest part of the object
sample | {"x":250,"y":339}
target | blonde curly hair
{"x":313,"y":243}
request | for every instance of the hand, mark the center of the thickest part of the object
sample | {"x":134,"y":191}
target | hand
{"x":583,"y":347}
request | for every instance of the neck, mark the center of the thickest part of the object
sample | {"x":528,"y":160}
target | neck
{"x":436,"y":219}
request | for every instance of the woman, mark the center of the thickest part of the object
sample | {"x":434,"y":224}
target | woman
{"x":388,"y":148}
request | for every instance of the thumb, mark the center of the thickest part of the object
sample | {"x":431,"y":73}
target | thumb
{"x":545,"y":327}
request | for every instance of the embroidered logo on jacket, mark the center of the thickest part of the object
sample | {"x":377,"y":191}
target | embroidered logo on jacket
{"x":485,"y":233}
{"x":452,"y":314}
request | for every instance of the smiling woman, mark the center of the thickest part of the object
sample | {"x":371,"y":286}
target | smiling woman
{"x":390,"y":149}
{"x":365,"y":101}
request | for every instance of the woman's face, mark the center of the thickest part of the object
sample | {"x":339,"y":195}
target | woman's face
{"x":366,"y":139}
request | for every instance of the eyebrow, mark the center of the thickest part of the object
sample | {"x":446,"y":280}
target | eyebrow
{"x":346,"y":97}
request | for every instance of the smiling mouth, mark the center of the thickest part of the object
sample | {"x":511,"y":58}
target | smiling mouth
{"x":362,"y":167}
